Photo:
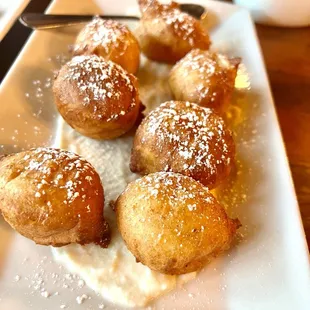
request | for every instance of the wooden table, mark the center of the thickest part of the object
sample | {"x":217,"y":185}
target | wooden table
{"x":287,"y":56}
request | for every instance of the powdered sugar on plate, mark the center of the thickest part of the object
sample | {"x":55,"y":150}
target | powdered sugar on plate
{"x":107,"y":271}
{"x":112,"y":272}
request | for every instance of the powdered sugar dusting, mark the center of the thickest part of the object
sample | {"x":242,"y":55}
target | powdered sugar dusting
{"x":98,"y":83}
{"x":182,"y":25}
{"x":198,"y":138}
{"x":176,"y":187}
{"x":112,"y":272}
{"x":106,"y":34}
{"x":116,"y":175}
{"x":95,"y":78}
{"x":46,"y":161}
{"x":211,"y":76}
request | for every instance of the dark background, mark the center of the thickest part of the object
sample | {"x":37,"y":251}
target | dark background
{"x":17,"y":36}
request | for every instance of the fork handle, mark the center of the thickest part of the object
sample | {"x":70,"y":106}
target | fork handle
{"x":44,"y":21}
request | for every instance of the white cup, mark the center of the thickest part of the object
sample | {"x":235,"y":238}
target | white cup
{"x":290,"y":13}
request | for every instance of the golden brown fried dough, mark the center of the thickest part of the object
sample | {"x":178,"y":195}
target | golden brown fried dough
{"x":110,"y":40}
{"x":205,"y":78}
{"x":185,"y":138}
{"x":172,"y":223}
{"x":97,"y":98}
{"x":166,"y":34}
{"x":53,"y":197}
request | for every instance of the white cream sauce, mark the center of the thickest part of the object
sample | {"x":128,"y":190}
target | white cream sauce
{"x":114,"y":272}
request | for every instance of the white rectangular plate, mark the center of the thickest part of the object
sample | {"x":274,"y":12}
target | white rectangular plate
{"x":267,"y":269}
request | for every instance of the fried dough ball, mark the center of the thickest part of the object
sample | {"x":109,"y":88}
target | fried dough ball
{"x":97,"y":98}
{"x":53,"y":197}
{"x":185,"y":138}
{"x":172,"y":223}
{"x":205,"y":78}
{"x":110,"y":40}
{"x":166,"y":34}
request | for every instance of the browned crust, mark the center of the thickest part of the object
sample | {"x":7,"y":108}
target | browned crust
{"x":162,"y":230}
{"x":163,"y":37}
{"x":100,"y":118}
{"x":122,"y":49}
{"x":199,"y":77}
{"x":53,"y":198}
{"x":154,"y":150}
